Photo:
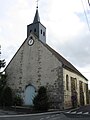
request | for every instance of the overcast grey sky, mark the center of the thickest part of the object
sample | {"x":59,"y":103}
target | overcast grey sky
{"x":67,"y":29}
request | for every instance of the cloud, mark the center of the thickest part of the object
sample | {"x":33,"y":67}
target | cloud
{"x":68,"y":32}
{"x":73,"y":45}
{"x":77,"y":51}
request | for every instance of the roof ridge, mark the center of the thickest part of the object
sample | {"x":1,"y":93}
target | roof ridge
{"x":66,"y":63}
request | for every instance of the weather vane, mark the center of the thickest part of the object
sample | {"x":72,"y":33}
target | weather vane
{"x":37,"y":3}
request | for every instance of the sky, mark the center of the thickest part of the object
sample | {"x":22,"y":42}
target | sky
{"x":66,"y":22}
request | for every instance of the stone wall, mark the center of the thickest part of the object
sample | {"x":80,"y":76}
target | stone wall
{"x":68,"y":93}
{"x":36,"y":65}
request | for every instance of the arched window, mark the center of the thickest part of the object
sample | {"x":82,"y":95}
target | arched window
{"x":67,"y":82}
{"x":41,"y":31}
{"x":30,"y":31}
{"x":35,"y":30}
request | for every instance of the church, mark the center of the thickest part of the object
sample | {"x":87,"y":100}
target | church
{"x":36,"y":64}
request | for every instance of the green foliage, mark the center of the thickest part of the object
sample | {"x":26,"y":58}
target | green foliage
{"x":17,"y":100}
{"x":6,"y":96}
{"x":2,"y":76}
{"x":2,"y":81}
{"x":2,"y":86}
{"x":2,"y":63}
{"x":41,"y":100}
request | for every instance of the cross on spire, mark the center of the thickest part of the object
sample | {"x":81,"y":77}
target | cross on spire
{"x":36,"y":27}
{"x":36,"y":18}
{"x":37,"y":3}
{"x":89,"y":2}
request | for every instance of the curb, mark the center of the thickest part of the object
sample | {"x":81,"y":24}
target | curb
{"x":36,"y":114}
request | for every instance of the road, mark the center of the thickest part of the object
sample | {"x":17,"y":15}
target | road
{"x":81,"y":113}
{"x":57,"y":116}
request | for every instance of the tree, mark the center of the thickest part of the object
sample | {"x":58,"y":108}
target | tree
{"x":6,"y":96}
{"x":41,"y":100}
{"x":2,"y":85}
{"x":17,"y":100}
{"x":2,"y":82}
{"x":2,"y":62}
{"x":2,"y":77}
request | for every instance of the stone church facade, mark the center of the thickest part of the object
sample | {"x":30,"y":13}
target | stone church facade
{"x":36,"y":64}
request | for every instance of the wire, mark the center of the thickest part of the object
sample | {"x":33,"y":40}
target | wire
{"x":86,"y":15}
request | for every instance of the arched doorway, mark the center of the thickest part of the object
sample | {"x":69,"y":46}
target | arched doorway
{"x":29,"y":95}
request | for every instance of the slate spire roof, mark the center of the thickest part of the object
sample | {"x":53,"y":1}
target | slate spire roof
{"x":36,"y":18}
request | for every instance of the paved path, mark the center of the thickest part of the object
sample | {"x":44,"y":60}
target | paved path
{"x":5,"y":112}
{"x":41,"y":117}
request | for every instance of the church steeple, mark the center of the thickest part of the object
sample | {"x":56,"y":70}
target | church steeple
{"x":36,"y":18}
{"x":37,"y":28}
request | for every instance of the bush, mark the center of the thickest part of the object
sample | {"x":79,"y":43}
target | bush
{"x":41,"y":100}
{"x":17,"y":100}
{"x":6,"y":97}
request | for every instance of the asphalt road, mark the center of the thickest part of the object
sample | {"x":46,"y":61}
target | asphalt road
{"x":57,"y":116}
{"x":82,"y":113}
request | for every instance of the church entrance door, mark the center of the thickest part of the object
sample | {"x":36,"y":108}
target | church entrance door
{"x":29,"y":95}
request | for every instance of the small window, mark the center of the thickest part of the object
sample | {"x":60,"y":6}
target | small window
{"x":31,"y":37}
{"x":43,"y":33}
{"x":35,"y":30}
{"x":30,"y":31}
{"x":67,"y":82}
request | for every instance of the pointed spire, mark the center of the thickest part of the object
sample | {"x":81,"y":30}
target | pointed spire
{"x":36,"y":27}
{"x":36,"y":18}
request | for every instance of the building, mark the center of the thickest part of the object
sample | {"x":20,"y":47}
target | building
{"x":36,"y":64}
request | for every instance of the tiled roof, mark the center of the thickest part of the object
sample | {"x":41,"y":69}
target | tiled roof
{"x":65,"y":63}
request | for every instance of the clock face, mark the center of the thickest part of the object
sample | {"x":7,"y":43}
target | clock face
{"x":30,"y":42}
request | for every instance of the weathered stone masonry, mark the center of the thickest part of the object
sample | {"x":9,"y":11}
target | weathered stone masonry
{"x":37,"y":66}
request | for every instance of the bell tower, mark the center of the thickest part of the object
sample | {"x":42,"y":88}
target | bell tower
{"x":37,"y":28}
